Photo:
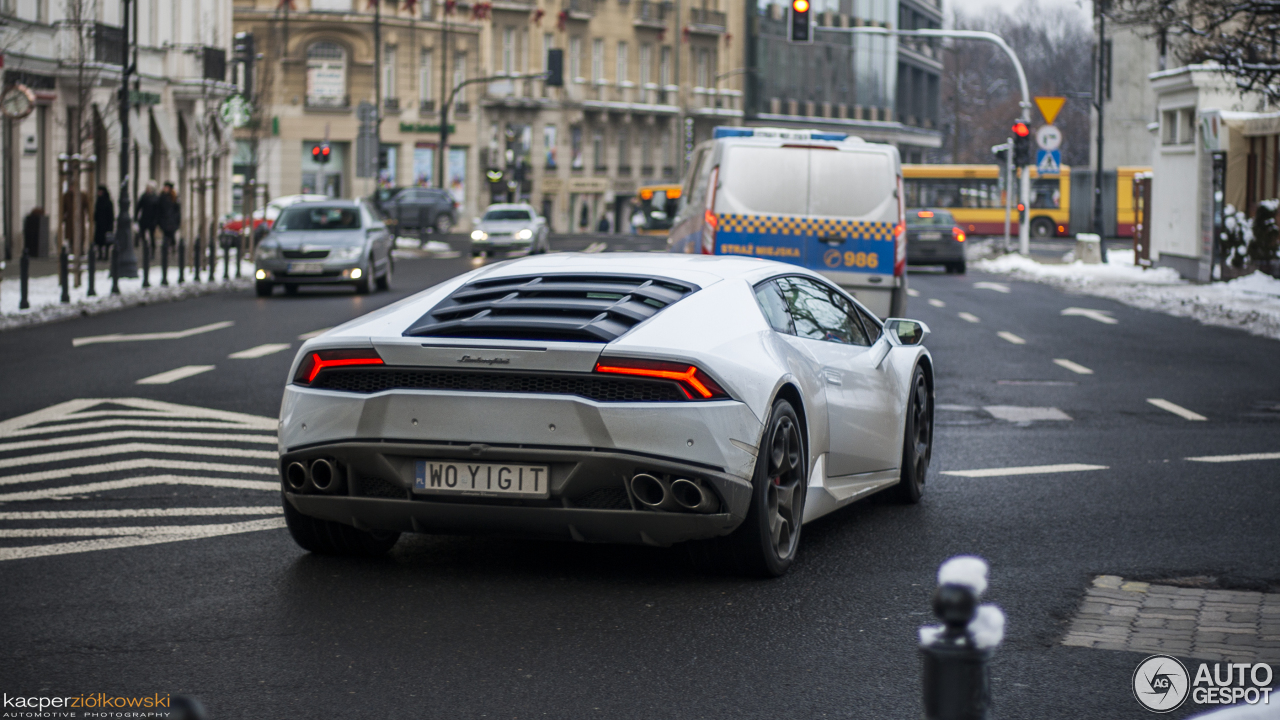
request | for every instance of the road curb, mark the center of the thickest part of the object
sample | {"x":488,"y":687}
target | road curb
{"x":110,"y":303}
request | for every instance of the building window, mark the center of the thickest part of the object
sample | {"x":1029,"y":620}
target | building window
{"x":425,"y":75}
{"x":460,"y":76}
{"x":389,"y":72}
{"x":597,"y":60}
{"x":549,"y":145}
{"x":597,"y":153}
{"x":701,"y":79}
{"x":646,"y":62}
{"x":622,"y":61}
{"x":575,"y":59}
{"x":624,"y":150}
{"x":664,"y":71}
{"x":326,"y":75}
{"x":548,"y":44}
{"x":508,"y":50}
{"x":575,"y":147}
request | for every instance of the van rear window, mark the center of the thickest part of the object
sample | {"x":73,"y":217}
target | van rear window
{"x":764,"y":181}
{"x":850,"y":184}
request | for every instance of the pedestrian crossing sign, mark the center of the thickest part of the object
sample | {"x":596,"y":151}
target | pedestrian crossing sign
{"x":1048,"y":162}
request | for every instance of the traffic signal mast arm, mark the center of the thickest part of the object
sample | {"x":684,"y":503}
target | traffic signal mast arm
{"x":1024,"y":230}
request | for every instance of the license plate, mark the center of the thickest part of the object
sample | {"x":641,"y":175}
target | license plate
{"x":929,"y":236}
{"x":306,"y":268}
{"x":444,"y":477}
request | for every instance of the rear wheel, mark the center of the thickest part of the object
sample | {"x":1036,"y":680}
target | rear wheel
{"x":917,"y":442}
{"x":366,"y":284}
{"x":264,"y":289}
{"x":325,"y":537}
{"x":765,"y":544}
{"x":1042,"y":228}
{"x":384,"y":282}
{"x":957,"y":268}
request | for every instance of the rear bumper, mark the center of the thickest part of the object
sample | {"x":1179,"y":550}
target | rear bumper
{"x":925,"y":253}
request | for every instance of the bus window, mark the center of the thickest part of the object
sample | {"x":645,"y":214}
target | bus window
{"x":1046,"y":193}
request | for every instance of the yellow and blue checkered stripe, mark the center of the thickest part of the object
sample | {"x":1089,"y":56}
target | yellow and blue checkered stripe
{"x":863,"y":247}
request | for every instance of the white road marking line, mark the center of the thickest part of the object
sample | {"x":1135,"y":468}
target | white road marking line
{"x":135,"y":435}
{"x":1006,"y":335}
{"x":130,"y":448}
{"x":969,"y":317}
{"x":1027,"y":470}
{"x":196,"y":532}
{"x":260,"y":351}
{"x":1073,"y":367}
{"x":96,"y":424}
{"x":1235,"y":458}
{"x":1102,"y":316}
{"x":89,"y":488}
{"x":956,"y":408}
{"x":936,"y":302}
{"x":176,"y":335}
{"x":136,"y":464}
{"x":998,"y":287}
{"x":175,"y":375}
{"x":314,"y":333}
{"x":106,"y":531}
{"x":1176,"y":409}
{"x":140,"y":512}
{"x":1015,"y":413}
{"x":912,"y":292}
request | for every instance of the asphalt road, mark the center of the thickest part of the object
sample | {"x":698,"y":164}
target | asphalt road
{"x":449,"y":627}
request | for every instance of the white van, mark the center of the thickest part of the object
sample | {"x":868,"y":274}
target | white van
{"x":824,"y":201}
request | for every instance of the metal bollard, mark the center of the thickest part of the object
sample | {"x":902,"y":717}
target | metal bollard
{"x":196,"y":257}
{"x":24,"y":274}
{"x":164,"y":264}
{"x":957,"y":682}
{"x":239,"y":256}
{"x":213,"y":259}
{"x":62,"y":275}
{"x":146,"y":264}
{"x":93,"y":272}
{"x":226,"y":261}
{"x":115,"y":270}
{"x":182,"y":260}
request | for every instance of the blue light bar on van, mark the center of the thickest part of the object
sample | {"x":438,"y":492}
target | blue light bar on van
{"x":777,"y":133}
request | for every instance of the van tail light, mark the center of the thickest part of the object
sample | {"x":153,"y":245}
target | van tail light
{"x":693,"y":382}
{"x":709,"y":220}
{"x":958,"y":234}
{"x":900,"y":234}
{"x":320,"y":360}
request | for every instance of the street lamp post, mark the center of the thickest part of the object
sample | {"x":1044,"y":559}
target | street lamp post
{"x":126,"y":263}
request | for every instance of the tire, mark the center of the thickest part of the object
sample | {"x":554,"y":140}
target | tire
{"x":444,"y":224}
{"x":291,"y":289}
{"x":366,"y":284}
{"x":957,"y":268}
{"x":325,"y":537}
{"x":1042,"y":228}
{"x":384,"y":282}
{"x":917,"y":442}
{"x":264,"y":289}
{"x":765,"y":544}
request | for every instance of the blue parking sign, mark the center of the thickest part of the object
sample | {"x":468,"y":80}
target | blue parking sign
{"x":1048,"y":162}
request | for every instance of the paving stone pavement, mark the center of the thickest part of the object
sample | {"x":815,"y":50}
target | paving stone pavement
{"x":1234,"y":625}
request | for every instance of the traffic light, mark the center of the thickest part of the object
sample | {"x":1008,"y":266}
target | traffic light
{"x":245,"y":55}
{"x":320,"y":154}
{"x":1021,"y":144}
{"x":1001,"y":152}
{"x":801,"y":24}
{"x":555,"y":68}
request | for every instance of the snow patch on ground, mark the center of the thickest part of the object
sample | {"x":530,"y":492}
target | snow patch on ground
{"x":44,"y":293}
{"x":1250,"y":303}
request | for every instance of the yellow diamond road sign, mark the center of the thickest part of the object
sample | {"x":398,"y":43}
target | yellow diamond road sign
{"x":1049,"y":107}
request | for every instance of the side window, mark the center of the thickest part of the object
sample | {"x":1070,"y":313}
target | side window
{"x":774,"y":307}
{"x":820,"y":313}
{"x":872,"y":326}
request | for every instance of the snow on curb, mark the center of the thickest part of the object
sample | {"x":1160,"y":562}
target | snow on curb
{"x":44,"y":293}
{"x":1250,"y":303}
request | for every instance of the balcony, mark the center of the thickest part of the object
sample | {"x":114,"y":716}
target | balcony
{"x":391,"y":104}
{"x":579,"y":9}
{"x":461,"y":108}
{"x":108,"y":44}
{"x":427,"y":106}
{"x":651,"y":14}
{"x":340,"y":103}
{"x":215,"y":63}
{"x":707,"y":22}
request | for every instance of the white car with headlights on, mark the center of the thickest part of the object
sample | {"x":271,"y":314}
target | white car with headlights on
{"x":510,"y":228}
{"x":626,"y":398}
{"x":333,"y":242}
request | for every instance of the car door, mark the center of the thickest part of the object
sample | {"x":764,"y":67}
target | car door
{"x":861,"y":393}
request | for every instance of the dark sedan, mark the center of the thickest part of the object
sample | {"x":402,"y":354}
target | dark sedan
{"x":933,"y":238}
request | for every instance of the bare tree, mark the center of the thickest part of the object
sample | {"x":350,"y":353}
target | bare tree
{"x":980,"y":93}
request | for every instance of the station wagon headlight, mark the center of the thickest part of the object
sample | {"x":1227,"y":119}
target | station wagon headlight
{"x":479,"y":235}
{"x":524,"y":234}
{"x":268,"y":252}
{"x":346,"y":254}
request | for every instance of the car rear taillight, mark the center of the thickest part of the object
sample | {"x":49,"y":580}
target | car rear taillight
{"x":693,"y":382}
{"x":321,"y":360}
{"x":957,"y":234}
{"x":709,"y":220}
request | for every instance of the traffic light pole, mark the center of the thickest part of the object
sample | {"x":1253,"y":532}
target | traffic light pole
{"x":1024,"y":228}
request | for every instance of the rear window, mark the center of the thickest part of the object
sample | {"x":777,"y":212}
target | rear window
{"x":507,"y":215}
{"x":930,"y":217}
{"x":764,"y":181}
{"x":319,"y":218}
{"x":850,"y":183}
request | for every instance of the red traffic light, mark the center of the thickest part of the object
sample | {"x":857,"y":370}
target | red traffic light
{"x":315,"y":152}
{"x":325,"y":151}
{"x":800,"y":6}
{"x":1020,"y":129}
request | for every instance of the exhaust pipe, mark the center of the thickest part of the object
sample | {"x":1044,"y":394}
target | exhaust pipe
{"x":295,"y":476}
{"x":652,"y":492}
{"x":693,"y":497}
{"x":324,"y":476}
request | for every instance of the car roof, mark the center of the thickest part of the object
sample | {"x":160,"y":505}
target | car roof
{"x":509,"y":206}
{"x":701,"y":270}
{"x":331,"y":202}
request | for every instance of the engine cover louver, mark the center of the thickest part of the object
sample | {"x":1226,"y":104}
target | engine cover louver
{"x":574,"y":308}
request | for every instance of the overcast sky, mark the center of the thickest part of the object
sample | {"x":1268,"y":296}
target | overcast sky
{"x":1083,"y":6}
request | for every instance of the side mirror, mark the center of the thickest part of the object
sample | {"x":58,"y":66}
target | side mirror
{"x":900,"y":331}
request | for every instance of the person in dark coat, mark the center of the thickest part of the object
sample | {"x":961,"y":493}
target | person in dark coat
{"x":104,"y":221}
{"x":148,"y":215}
{"x":31,"y":231}
{"x":168,"y":213}
{"x":603,"y":225}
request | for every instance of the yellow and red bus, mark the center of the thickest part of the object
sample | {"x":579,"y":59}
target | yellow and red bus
{"x":658,"y":205}
{"x":974,"y":196}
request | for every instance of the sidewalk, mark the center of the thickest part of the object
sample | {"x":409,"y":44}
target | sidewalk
{"x":1250,"y":303}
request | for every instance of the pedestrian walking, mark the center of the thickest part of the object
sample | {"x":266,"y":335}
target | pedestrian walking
{"x":104,"y":221}
{"x":168,"y":214}
{"x":148,"y":215}
{"x":603,"y":225}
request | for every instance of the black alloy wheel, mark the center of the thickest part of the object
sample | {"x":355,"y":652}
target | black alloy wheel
{"x":1042,"y":228}
{"x":917,"y":441}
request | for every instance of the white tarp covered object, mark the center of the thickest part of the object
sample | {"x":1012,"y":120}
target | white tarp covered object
{"x":168,"y":135}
